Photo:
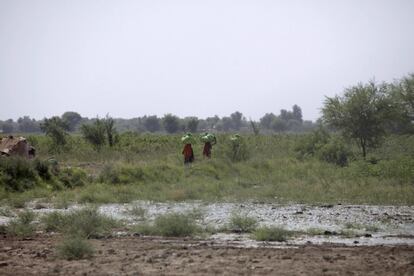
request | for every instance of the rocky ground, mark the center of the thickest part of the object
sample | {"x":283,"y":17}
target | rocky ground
{"x":382,"y":243}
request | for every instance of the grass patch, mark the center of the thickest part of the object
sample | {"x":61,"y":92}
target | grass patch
{"x":75,"y":248}
{"x":22,"y":226}
{"x":149,"y":167}
{"x":170,"y":225}
{"x":242,"y":223}
{"x":272,"y":234}
{"x":85,"y":223}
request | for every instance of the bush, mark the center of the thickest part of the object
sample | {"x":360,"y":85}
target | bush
{"x":42,"y":168}
{"x":72,"y":177}
{"x":86,"y":223}
{"x":22,"y":226}
{"x":272,"y":234}
{"x":325,"y":147}
{"x":237,"y":150}
{"x":170,"y":225}
{"x":54,"y":222}
{"x":310,"y":144}
{"x":95,"y":133}
{"x":121,"y":174}
{"x":335,"y":152}
{"x":242,"y":224}
{"x":17,"y":174}
{"x":75,"y":248}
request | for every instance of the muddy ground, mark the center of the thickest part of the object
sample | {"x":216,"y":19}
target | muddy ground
{"x":156,"y":256}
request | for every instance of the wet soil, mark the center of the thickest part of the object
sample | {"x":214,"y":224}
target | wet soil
{"x":156,"y":256}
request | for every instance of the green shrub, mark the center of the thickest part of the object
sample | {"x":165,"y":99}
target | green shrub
{"x":86,"y":223}
{"x":121,"y":174}
{"x":22,"y":226}
{"x":237,"y":149}
{"x":75,"y":248}
{"x":310,"y":144}
{"x":54,"y":222}
{"x":272,"y":234}
{"x":170,"y":225}
{"x":73,"y":177}
{"x":242,"y":223}
{"x":17,"y":174}
{"x":42,"y":168}
{"x":335,"y":152}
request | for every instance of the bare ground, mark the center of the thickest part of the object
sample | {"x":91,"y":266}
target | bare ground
{"x":156,"y":256}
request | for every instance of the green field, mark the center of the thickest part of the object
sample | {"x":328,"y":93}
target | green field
{"x":150,"y":167}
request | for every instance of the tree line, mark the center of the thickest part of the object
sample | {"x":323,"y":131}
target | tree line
{"x":72,"y":122}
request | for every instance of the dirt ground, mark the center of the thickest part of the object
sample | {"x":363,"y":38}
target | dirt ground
{"x":155,"y":256}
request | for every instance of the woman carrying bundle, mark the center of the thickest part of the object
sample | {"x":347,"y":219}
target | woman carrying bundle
{"x":209,"y":140}
{"x":188,"y":149}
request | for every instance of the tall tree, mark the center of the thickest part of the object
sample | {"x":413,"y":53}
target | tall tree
{"x":297,"y":113}
{"x":152,"y":123}
{"x":171,"y":123}
{"x":360,"y":114}
{"x":55,"y":128}
{"x":267,"y":120}
{"x":94,"y":133}
{"x":72,"y":119}
{"x":28,"y":125}
{"x":236,"y":119}
{"x":192,"y":124}
{"x":110,"y":130}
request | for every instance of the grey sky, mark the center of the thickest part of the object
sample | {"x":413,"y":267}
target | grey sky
{"x":131,"y":58}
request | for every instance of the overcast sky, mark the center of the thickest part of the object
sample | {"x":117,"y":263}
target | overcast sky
{"x":207,"y":57}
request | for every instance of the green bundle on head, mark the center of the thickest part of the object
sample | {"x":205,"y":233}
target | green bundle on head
{"x":235,"y":139}
{"x":188,"y":139}
{"x":207,"y":137}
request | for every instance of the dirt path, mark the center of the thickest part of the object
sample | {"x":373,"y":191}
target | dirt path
{"x":152,"y":256}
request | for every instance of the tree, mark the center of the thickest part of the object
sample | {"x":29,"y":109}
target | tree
{"x":225,"y":124}
{"x":407,"y":94}
{"x":152,"y":123}
{"x":285,"y":115}
{"x":402,"y":97}
{"x":72,"y":119}
{"x":236,"y":119}
{"x":279,"y":125}
{"x":55,"y":128}
{"x":361,"y":114}
{"x":267,"y":120}
{"x":297,"y":113}
{"x":94,"y":133}
{"x":28,"y":125}
{"x":171,"y":123}
{"x":255,"y":127}
{"x":212,"y":121}
{"x":111,"y":133}
{"x":192,"y":124}
{"x":7,"y":126}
